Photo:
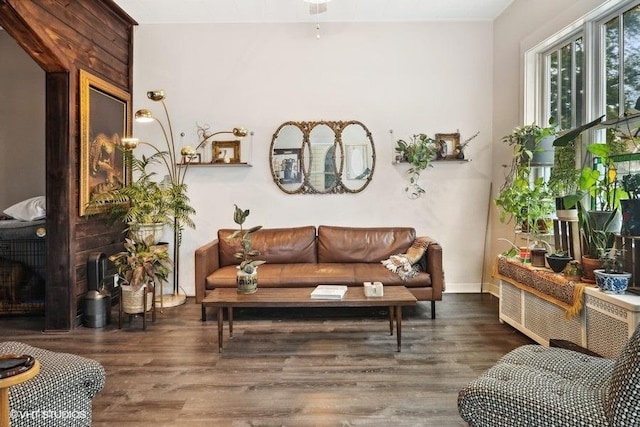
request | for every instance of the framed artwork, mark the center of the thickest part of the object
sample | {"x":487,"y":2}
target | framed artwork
{"x":448,"y":143}
{"x":356,"y":160}
{"x":287,"y":165}
{"x":105,"y":118}
{"x":226,"y":151}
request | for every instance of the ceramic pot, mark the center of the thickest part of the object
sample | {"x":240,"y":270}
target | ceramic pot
{"x":133,"y":302}
{"x":612,"y":283}
{"x":588,"y":266}
{"x":558,"y":262}
{"x":247,"y":283}
{"x":542,"y":152}
{"x":563,"y":213}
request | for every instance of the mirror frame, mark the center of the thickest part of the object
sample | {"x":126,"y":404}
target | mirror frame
{"x":306,"y":187}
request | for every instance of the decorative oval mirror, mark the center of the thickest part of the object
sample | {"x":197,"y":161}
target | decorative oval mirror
{"x":359,"y":156}
{"x":286,"y":157}
{"x":322,"y":157}
{"x":322,"y":172}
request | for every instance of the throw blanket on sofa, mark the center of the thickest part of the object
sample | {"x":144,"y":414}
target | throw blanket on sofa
{"x":405,"y":264}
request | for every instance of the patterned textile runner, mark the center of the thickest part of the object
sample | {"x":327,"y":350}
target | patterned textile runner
{"x":542,"y":282}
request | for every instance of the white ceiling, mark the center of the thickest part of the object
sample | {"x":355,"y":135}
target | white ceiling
{"x":233,"y":11}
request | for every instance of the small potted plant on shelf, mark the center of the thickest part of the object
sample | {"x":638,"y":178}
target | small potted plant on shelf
{"x":247,"y":276}
{"x":419,"y":152}
{"x":612,"y":278}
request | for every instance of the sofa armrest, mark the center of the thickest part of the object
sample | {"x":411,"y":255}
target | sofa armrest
{"x":207,"y":261}
{"x":433,"y":263}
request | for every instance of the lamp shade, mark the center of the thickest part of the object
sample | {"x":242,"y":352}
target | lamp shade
{"x":239,"y":132}
{"x":156,"y":95}
{"x":129,"y":143}
{"x":144,"y":116}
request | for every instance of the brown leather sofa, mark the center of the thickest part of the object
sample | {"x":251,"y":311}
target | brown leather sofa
{"x":306,"y":257}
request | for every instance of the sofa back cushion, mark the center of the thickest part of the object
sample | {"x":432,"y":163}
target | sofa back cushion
{"x":357,"y":245}
{"x":622,"y":397}
{"x":276,"y":245}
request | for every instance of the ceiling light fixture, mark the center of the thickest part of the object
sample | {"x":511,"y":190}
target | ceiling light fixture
{"x":317,"y":7}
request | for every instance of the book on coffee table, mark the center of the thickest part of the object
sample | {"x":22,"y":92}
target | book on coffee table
{"x":329,"y":292}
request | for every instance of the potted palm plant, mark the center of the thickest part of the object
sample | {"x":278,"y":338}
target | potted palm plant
{"x":247,"y":276}
{"x":145,"y":205}
{"x":596,"y":240}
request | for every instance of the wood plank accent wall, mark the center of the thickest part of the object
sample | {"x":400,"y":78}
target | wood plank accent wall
{"x":64,"y":36}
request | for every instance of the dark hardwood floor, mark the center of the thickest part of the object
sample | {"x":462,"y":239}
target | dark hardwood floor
{"x":287,"y":367}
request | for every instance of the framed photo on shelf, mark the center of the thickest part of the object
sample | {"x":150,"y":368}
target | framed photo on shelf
{"x":105,"y":118}
{"x":226,"y":151}
{"x":448,"y":142}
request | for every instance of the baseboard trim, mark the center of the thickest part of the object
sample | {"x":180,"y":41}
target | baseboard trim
{"x":463,"y":288}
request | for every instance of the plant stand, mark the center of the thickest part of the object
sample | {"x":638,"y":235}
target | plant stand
{"x":141,"y":302}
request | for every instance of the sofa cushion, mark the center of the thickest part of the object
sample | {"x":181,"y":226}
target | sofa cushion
{"x":307,"y":275}
{"x":276,"y":245}
{"x":358,"y":245}
{"x":622,"y":400}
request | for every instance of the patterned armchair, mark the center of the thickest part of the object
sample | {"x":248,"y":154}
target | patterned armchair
{"x":538,"y":386}
{"x":60,"y":395}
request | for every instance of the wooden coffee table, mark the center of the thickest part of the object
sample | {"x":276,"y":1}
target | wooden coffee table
{"x":394,"y":297}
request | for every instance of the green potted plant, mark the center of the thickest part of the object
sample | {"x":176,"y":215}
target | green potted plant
{"x":145,"y":205}
{"x":596,"y":239}
{"x":612,"y":278}
{"x":247,"y":276}
{"x":563,"y":180}
{"x":141,"y":263}
{"x":532,"y":144}
{"x":420,"y":151}
{"x":529,"y":204}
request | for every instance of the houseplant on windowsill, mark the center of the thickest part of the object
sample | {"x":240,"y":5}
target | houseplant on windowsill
{"x":596,"y":240}
{"x":419,"y":152}
{"x":142,"y":263}
{"x":528,"y":204}
{"x":247,"y":276}
{"x":612,"y":278}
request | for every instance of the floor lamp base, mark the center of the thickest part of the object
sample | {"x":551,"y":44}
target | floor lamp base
{"x":170,"y":300}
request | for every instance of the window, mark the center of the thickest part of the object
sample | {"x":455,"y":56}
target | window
{"x":564,"y":72}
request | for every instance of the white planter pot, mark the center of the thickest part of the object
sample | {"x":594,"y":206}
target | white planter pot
{"x":133,"y":302}
{"x":142,"y":231}
{"x":247,"y":283}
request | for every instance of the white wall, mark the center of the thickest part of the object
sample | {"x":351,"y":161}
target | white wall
{"x":522,"y":26}
{"x":22,"y":116}
{"x":409,"y":77}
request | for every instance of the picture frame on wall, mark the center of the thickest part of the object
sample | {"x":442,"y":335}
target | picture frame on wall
{"x":226,"y":151}
{"x":448,"y":142}
{"x":105,"y":118}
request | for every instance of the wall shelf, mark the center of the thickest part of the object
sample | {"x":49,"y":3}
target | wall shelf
{"x":217,"y":165}
{"x":437,"y":161}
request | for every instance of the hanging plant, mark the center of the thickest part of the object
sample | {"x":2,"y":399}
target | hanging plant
{"x":419,"y":152}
